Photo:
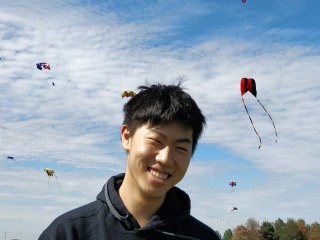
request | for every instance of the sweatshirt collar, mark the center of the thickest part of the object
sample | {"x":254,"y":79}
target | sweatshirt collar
{"x":175,"y":207}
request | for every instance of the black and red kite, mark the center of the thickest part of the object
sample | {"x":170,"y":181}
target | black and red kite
{"x":249,"y":85}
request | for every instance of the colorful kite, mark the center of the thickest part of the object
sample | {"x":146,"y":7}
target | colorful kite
{"x":244,"y":1}
{"x":51,"y":173}
{"x":43,"y":65}
{"x":232,"y":183}
{"x":249,"y":84}
{"x":128,"y":94}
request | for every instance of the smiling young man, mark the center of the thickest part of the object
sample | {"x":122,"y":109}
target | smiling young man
{"x":161,"y":128}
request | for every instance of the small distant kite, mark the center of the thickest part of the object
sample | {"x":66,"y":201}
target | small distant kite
{"x":233,"y":209}
{"x":249,"y":85}
{"x":50,"y":173}
{"x":244,"y":1}
{"x":12,"y":158}
{"x":43,"y":65}
{"x":232,"y":183}
{"x":128,"y":94}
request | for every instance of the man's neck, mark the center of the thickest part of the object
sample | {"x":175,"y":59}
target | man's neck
{"x":140,"y":206}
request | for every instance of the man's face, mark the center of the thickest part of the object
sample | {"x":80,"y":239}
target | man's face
{"x":158,"y":157}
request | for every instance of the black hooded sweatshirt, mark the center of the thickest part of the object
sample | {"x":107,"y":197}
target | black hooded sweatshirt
{"x":107,"y":218}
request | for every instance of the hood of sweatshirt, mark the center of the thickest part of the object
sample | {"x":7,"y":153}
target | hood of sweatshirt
{"x":175,"y":208}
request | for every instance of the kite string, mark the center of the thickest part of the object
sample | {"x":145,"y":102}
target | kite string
{"x":252,"y":123}
{"x":57,"y":180}
{"x":231,"y":191}
{"x":270,"y":119}
{"x":223,"y":220}
{"x":49,"y":183}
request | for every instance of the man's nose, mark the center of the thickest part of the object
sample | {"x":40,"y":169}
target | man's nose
{"x":165,"y":156}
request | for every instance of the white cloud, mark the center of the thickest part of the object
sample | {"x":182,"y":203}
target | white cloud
{"x":74,"y":126}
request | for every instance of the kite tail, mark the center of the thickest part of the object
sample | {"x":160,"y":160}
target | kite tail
{"x":57,"y":181}
{"x":49,"y":183}
{"x":252,"y":123}
{"x":275,"y":130}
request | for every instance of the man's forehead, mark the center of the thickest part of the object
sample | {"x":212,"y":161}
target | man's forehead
{"x":170,"y":124}
{"x":186,"y":133}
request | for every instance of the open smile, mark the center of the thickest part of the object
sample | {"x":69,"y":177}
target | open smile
{"x":158,"y":174}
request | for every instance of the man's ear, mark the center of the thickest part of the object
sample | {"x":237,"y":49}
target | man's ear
{"x":125,"y":137}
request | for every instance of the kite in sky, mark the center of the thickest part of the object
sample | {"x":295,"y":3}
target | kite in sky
{"x":12,"y":158}
{"x":128,"y":94}
{"x":232,"y":183}
{"x":249,"y":84}
{"x":43,"y":65}
{"x":233,"y":209}
{"x":50,"y":173}
{"x":244,"y":1}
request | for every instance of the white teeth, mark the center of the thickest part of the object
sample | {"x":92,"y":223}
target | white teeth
{"x":162,"y":176}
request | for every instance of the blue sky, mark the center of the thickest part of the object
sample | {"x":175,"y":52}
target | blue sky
{"x":96,"y":49}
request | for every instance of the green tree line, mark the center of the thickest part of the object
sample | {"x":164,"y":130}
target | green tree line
{"x":277,"y":230}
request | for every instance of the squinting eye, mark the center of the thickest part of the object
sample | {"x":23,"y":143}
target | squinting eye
{"x":182,"y":149}
{"x":155,"y":140}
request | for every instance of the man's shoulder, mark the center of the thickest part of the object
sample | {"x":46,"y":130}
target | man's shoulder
{"x":195,"y":225}
{"x":84,"y":211}
{"x":72,"y":218}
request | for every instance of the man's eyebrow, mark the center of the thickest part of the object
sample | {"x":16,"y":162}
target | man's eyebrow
{"x":184,"y":140}
{"x":180,"y":140}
